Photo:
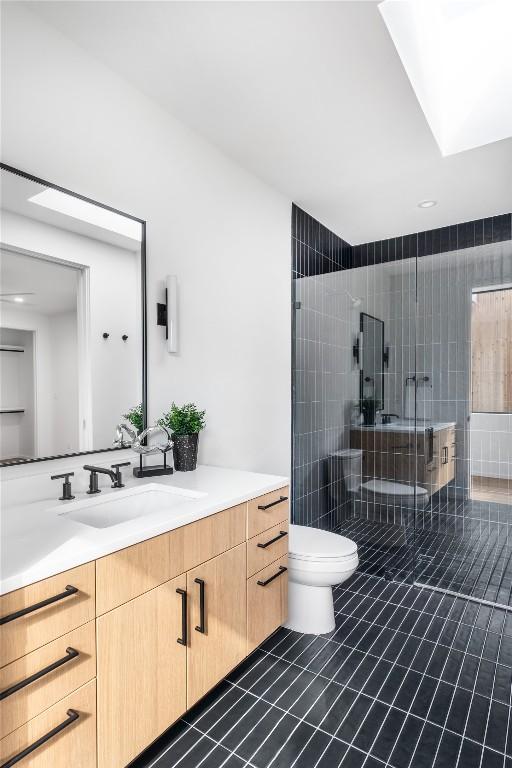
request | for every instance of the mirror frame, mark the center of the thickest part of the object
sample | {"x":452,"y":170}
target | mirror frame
{"x":362,"y":315}
{"x":142,"y":222}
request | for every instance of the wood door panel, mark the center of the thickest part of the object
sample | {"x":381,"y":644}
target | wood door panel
{"x":74,"y":746}
{"x":141,"y":673}
{"x":223,"y":645}
{"x":198,"y":542}
{"x":23,"y":635}
{"x":267,"y":606}
{"x":126,"y":574}
{"x":30,"y":701}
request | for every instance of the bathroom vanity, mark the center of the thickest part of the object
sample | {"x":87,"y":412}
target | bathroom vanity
{"x":423,"y":454}
{"x":111,"y":630}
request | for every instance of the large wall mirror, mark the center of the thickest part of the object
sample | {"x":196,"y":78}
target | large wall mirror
{"x":72,"y":320}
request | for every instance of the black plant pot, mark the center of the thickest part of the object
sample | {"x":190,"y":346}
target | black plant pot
{"x":185,"y":452}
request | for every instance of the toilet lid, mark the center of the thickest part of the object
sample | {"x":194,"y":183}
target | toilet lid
{"x":314,"y":544}
{"x":387,"y":487}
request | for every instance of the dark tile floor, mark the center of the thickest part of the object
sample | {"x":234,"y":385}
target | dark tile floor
{"x":476,"y":562}
{"x":409,"y":679}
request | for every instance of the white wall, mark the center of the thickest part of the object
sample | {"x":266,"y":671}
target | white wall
{"x":491,"y":445}
{"x":64,"y":365}
{"x":226,"y":234}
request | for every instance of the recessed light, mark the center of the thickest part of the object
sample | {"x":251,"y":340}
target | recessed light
{"x":19,"y":299}
{"x":427,"y":203}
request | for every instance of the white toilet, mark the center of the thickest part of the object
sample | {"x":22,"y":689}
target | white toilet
{"x":317,"y":561}
{"x":348,"y":464}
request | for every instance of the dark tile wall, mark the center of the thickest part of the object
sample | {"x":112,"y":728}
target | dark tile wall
{"x":320,"y":420}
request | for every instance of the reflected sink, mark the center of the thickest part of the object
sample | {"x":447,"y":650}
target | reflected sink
{"x":121,"y":506}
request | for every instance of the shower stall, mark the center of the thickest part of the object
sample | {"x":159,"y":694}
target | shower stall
{"x":402,"y":401}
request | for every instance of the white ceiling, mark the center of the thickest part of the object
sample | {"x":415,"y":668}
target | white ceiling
{"x":310,"y":96}
{"x":51,"y":286}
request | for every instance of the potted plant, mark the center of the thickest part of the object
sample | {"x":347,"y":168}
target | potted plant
{"x":136,"y":418}
{"x":185,"y":424}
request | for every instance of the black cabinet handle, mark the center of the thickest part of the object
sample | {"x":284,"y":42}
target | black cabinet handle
{"x":68,"y":591}
{"x":183,"y":639}
{"x":72,"y":716}
{"x":201,"y":628}
{"x":273,"y":503}
{"x":280,"y":572}
{"x":71,"y":653}
{"x":281,"y":535}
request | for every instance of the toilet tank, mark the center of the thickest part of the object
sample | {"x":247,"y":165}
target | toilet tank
{"x":351,"y":461}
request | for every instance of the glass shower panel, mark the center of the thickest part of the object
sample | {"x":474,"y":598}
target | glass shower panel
{"x":463,"y":407}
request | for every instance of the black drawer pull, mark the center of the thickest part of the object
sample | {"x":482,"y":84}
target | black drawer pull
{"x":273,"y":503}
{"x":72,"y":716}
{"x":71,"y":653}
{"x":202,"y":627}
{"x":281,"y":535}
{"x":280,"y":572}
{"x":68,"y":591}
{"x":183,"y":639}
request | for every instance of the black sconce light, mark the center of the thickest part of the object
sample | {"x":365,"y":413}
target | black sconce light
{"x":355,"y":350}
{"x":385,"y":357}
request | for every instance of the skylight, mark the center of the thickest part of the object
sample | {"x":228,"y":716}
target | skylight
{"x":458,"y":57}
{"x":88,"y":212}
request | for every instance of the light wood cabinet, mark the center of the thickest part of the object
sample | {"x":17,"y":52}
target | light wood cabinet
{"x":57,"y":605}
{"x":217,"y":621}
{"x":69,"y":730}
{"x":267,"y":510}
{"x":23,"y":699}
{"x":152,"y":627}
{"x":267,"y":602}
{"x":141,"y":673}
{"x":428,"y":460}
{"x":131,"y":572}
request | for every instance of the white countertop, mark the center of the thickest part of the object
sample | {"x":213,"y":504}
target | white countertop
{"x":400,"y":426}
{"x":36,"y":542}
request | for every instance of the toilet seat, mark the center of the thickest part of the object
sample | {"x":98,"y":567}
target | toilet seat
{"x":390,"y":488}
{"x":314,"y":545}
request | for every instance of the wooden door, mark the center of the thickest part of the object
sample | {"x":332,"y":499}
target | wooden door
{"x":267,"y":602}
{"x":141,"y":673}
{"x":218,"y":642}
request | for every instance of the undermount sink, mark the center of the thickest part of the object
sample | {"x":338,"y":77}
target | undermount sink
{"x":121,"y":506}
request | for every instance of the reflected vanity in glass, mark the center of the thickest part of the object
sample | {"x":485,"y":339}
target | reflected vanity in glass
{"x":72,"y":320}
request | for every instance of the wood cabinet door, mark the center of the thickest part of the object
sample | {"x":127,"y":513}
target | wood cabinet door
{"x":267,"y":602}
{"x":141,"y":673}
{"x":217,"y":621}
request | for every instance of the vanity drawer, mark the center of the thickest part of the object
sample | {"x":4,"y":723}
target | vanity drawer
{"x":74,"y":744}
{"x":198,"y":542}
{"x":57,"y":604}
{"x":266,"y":547}
{"x":130,"y":572}
{"x":75,"y":654}
{"x":267,"y":602}
{"x":266,"y":511}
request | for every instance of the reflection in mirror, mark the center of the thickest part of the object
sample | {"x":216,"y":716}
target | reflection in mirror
{"x":371,"y":390}
{"x":70,"y":321}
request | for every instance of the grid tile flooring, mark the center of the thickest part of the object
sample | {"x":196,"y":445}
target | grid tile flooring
{"x":408,"y":679}
{"x":477,"y":564}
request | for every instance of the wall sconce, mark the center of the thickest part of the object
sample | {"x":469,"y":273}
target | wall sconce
{"x":385,"y":356}
{"x":167,"y":314}
{"x":356,"y":350}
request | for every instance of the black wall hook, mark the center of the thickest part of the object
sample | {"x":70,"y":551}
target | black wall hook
{"x":106,"y":335}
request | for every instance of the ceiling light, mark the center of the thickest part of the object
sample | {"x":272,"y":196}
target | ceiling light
{"x":19,"y":299}
{"x":427,"y":203}
{"x":88,"y":212}
{"x":458,"y":58}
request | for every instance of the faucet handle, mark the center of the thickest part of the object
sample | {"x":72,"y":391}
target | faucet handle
{"x":66,"y":485}
{"x":118,"y":481}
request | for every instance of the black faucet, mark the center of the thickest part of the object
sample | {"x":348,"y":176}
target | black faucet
{"x":115,"y":476}
{"x":66,"y":485}
{"x":386,"y":417}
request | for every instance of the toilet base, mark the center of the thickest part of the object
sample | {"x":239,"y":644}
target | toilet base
{"x":310,"y":609}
